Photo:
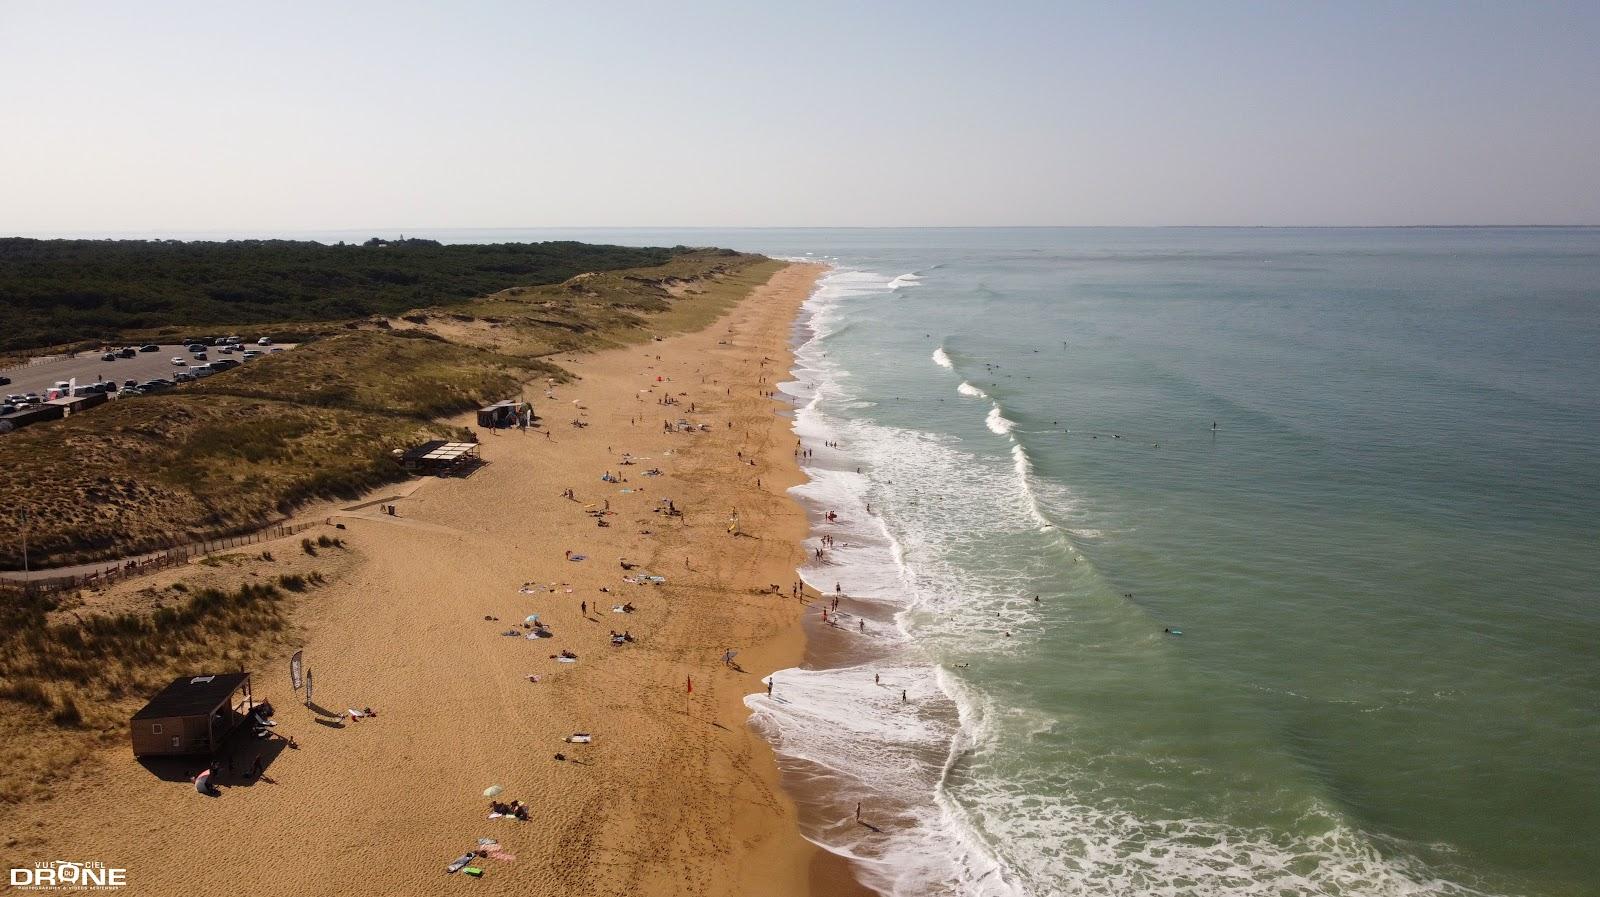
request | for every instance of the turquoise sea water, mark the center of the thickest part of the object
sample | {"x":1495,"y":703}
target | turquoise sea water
{"x":1384,"y":560}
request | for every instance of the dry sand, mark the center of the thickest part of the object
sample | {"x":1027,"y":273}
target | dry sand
{"x":674,"y":796}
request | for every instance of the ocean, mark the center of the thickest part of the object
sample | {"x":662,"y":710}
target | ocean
{"x":1195,"y":561}
{"x":1310,"y":516}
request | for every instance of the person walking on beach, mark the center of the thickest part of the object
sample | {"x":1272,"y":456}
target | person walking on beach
{"x":858,"y":811}
{"x":583,"y":608}
{"x":769,"y":686}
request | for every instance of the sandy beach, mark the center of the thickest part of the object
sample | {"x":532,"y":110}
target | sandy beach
{"x":673,"y":795}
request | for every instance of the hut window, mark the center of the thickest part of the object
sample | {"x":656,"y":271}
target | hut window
{"x":177,"y":741}
{"x":155,"y":728}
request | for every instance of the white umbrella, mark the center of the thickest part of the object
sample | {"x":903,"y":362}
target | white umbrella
{"x":492,"y":791}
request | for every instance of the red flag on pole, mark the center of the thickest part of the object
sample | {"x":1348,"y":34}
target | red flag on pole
{"x":688,"y":682}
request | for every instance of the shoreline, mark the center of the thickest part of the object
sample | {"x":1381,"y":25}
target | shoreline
{"x":675,"y":795}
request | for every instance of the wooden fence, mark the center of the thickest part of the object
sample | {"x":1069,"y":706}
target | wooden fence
{"x":117,"y":571}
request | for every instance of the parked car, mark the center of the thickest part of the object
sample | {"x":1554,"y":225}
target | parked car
{"x":264,"y":341}
{"x":251,"y":353}
{"x":183,"y":377}
{"x":195,"y":347}
{"x":4,"y":380}
{"x":7,"y":408}
{"x":224,"y":364}
{"x":226,"y":350}
{"x":127,"y":352}
{"x":109,"y":356}
{"x":150,"y":348}
{"x":34,"y":398}
{"x":129,"y":384}
{"x":179,"y":361}
{"x":156,"y":384}
{"x":277,"y":349}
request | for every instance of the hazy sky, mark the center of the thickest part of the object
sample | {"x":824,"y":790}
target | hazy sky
{"x":230,"y":116}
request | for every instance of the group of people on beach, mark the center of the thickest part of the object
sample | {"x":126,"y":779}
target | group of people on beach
{"x":516,"y":809}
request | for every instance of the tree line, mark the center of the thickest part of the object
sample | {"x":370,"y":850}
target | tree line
{"x":58,"y":292}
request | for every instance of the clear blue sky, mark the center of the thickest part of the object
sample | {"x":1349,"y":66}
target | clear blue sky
{"x":285,"y":115}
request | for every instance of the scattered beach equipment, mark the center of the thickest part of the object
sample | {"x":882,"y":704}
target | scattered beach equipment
{"x":458,"y":864}
{"x":579,"y":738}
{"x":493,"y":791}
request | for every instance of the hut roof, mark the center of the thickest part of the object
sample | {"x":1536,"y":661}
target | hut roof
{"x":192,"y":695}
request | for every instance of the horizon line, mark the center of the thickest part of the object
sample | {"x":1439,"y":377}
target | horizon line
{"x":374,"y":230}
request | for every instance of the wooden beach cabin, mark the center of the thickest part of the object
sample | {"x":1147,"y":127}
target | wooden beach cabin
{"x":193,"y":715}
{"x":500,"y":414}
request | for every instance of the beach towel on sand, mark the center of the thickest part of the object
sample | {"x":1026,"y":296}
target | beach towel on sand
{"x":459,"y":864}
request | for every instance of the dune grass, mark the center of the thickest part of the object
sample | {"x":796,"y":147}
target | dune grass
{"x":67,"y":688}
{"x":236,"y":450}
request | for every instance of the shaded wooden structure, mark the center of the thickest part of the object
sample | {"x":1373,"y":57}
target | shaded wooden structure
{"x":440,"y":458}
{"x":192,"y":715}
{"x":502,"y":414}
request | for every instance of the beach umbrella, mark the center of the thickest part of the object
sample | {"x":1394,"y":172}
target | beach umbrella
{"x":531,"y":618}
{"x":492,"y":791}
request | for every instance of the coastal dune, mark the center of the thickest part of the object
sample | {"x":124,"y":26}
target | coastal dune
{"x":673,"y":795}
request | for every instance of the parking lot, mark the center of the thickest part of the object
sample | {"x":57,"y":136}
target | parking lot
{"x":88,"y":368}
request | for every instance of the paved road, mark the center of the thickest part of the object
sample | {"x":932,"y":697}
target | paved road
{"x":88,"y":368}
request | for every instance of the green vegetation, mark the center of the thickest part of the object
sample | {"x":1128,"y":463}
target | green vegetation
{"x":229,"y":453}
{"x":140,"y":475}
{"x":379,"y":372}
{"x":69,"y":291}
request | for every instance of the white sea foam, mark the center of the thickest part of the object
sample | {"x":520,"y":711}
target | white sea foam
{"x":997,"y":422}
{"x":904,"y":280}
{"x":955,"y":824}
{"x":836,"y":729}
{"x":941,"y":359}
{"x":967,"y":389}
